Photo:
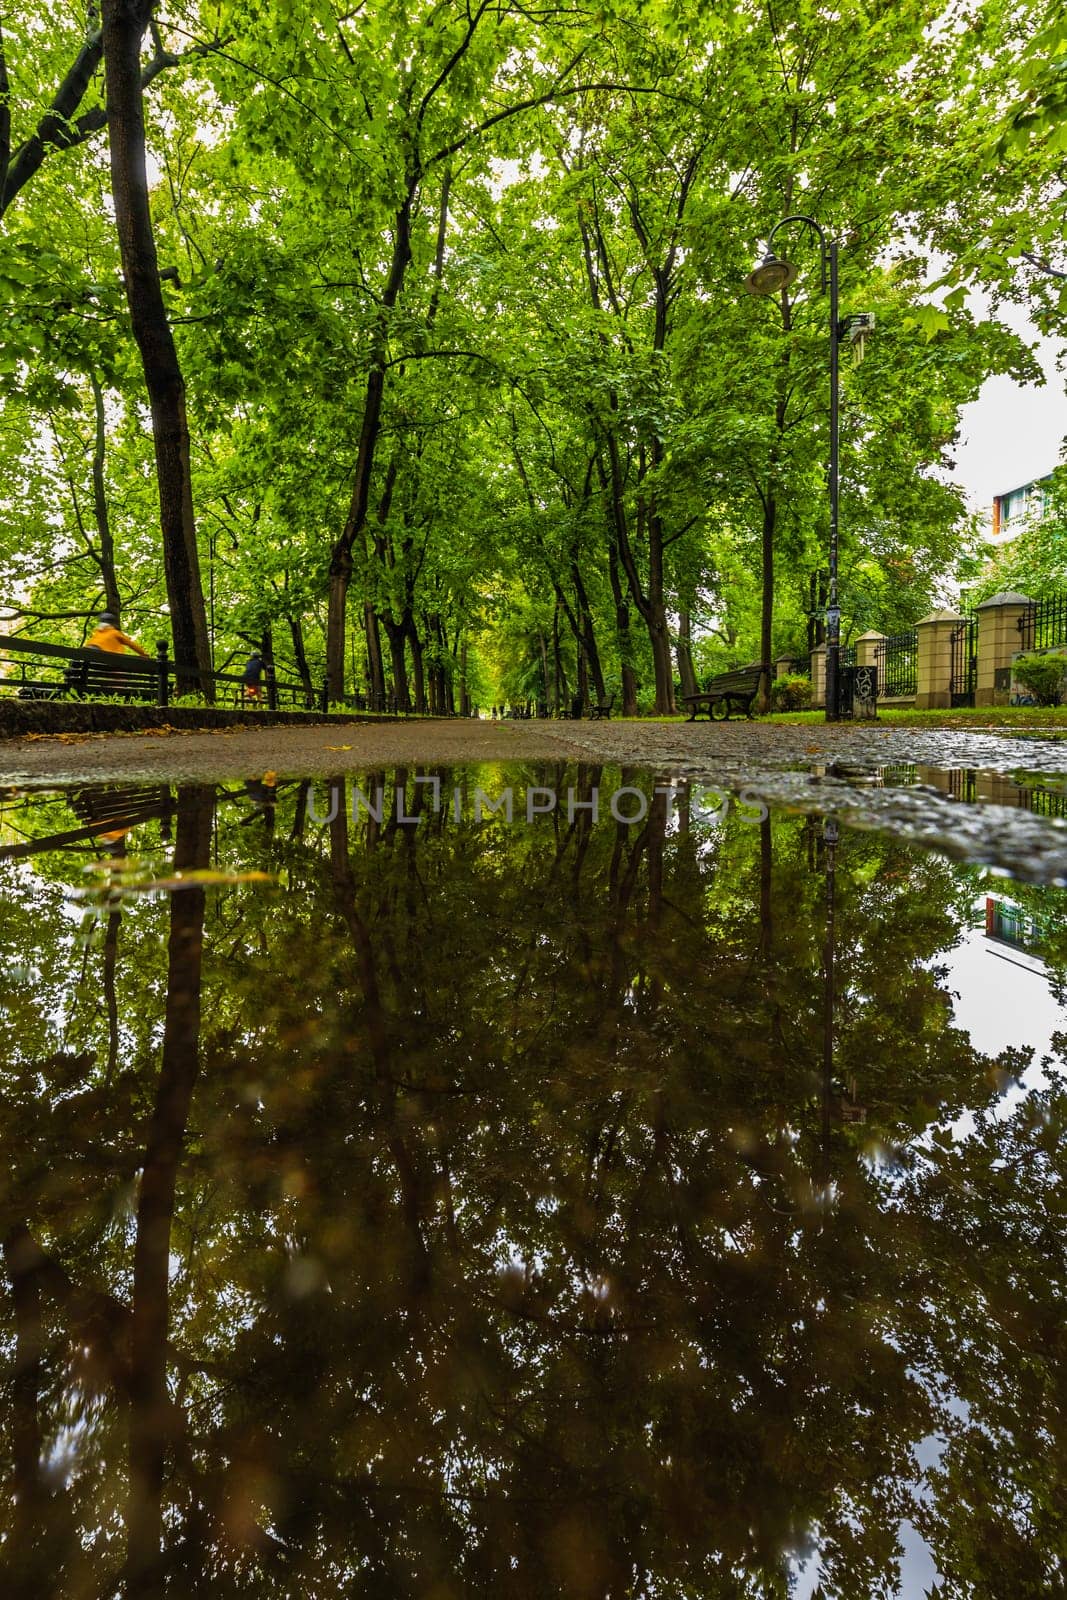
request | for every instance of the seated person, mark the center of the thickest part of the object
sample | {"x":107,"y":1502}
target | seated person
{"x":108,"y":636}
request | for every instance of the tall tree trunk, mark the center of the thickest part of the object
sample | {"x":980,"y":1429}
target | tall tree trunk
{"x":658,"y":625}
{"x":417,"y":668}
{"x":112,"y":597}
{"x":124,"y":23}
{"x":296,"y":630}
{"x":650,"y":604}
{"x":588,"y":635}
{"x":464,"y":692}
{"x":559,"y":683}
{"x":370,"y":429}
{"x":375,"y":665}
{"x":684,"y":654}
{"x":582,"y":691}
{"x":545,"y":691}
{"x":448,"y":703}
{"x":397,"y":632}
{"x":153,"y":1423}
{"x":622,"y":631}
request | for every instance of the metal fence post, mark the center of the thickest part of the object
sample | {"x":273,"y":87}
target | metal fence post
{"x":324,"y":698}
{"x":162,"y":647}
{"x":272,"y":685}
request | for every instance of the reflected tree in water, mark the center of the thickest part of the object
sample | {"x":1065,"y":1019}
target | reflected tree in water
{"x":464,"y":1219}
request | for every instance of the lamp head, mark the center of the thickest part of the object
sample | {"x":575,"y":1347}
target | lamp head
{"x":770,"y":276}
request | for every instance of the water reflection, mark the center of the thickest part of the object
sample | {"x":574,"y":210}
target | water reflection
{"x":560,"y":1209}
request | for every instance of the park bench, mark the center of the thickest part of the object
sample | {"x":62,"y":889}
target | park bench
{"x":601,"y":712}
{"x":108,"y":675}
{"x":738,"y":688}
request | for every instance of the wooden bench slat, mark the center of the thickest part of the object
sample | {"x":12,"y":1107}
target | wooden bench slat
{"x":740,"y":687}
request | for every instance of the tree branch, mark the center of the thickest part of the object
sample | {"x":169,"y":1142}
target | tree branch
{"x":5,"y":122}
{"x":1044,"y":266}
{"x":57,"y":130}
{"x":557,"y":93}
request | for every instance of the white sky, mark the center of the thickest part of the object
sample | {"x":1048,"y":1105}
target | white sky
{"x":1013,"y":432}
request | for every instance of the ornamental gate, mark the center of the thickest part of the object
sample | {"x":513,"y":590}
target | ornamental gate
{"x":964,"y":663}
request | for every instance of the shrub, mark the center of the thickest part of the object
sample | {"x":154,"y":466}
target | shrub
{"x":791,"y":694}
{"x":1043,"y":676}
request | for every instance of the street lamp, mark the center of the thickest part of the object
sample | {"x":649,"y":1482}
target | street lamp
{"x":770,"y":277}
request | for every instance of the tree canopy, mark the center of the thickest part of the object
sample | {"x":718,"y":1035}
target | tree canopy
{"x":410,"y":342}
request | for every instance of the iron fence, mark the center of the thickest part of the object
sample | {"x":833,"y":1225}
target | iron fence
{"x":33,"y":669}
{"x":964,"y":668}
{"x":1047,"y":802}
{"x":897,"y":659}
{"x":1043,"y":625}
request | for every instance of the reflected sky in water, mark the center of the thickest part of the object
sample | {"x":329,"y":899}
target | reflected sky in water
{"x":449,"y":1207}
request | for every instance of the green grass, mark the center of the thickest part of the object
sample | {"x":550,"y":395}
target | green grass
{"x":1040,"y":718}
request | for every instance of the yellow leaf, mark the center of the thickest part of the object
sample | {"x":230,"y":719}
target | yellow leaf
{"x":270,"y":779}
{"x":338,"y":747}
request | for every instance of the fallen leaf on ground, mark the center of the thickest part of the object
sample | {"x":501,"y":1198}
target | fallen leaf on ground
{"x":270,"y":779}
{"x":338,"y":747}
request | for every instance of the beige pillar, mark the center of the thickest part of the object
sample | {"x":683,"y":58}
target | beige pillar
{"x":784,"y":667}
{"x":999,"y":640}
{"x":867,"y":648}
{"x":998,"y":790}
{"x":934,"y":663}
{"x":935,"y":778}
{"x":818,"y":675}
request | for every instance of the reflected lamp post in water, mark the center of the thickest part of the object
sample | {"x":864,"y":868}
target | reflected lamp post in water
{"x":772,"y":276}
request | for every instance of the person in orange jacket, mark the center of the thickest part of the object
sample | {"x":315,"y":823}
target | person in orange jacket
{"x":108,"y":636}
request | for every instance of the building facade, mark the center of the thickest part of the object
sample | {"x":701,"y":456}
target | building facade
{"x":1015,"y":508}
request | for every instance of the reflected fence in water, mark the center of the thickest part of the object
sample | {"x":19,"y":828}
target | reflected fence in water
{"x":562,"y":1211}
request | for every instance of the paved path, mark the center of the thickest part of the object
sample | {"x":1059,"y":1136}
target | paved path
{"x":734,"y":751}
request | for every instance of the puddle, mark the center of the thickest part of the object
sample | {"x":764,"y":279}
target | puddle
{"x":423,"y":1202}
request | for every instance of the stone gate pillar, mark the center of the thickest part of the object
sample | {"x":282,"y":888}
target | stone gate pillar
{"x":998,"y":640}
{"x":934,"y":659}
{"x":867,"y":650}
{"x":818,"y":675}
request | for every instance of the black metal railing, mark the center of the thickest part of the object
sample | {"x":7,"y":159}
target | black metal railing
{"x":1047,"y":802}
{"x":1043,"y":625}
{"x":964,"y":662}
{"x":897,"y":659}
{"x":32,"y":669}
{"x":381,"y":705}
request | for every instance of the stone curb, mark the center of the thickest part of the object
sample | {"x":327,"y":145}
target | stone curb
{"x":20,"y":717}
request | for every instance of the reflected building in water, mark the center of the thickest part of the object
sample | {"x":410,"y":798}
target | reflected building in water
{"x":487,"y":1209}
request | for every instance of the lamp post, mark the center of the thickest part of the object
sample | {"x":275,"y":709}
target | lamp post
{"x":771,"y":276}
